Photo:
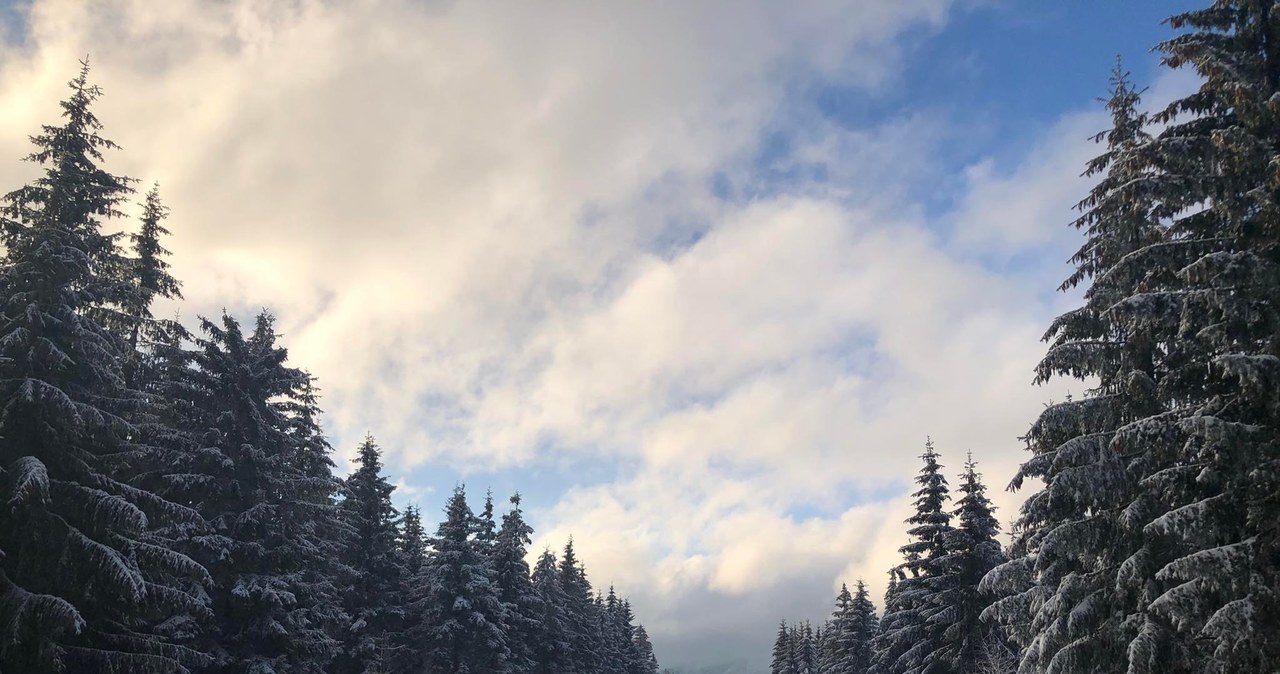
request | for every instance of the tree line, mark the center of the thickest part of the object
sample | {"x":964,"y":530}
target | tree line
{"x":1151,"y":544}
{"x":169,"y":502}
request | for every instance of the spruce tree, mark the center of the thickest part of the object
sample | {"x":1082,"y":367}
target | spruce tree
{"x":83,"y":582}
{"x":148,"y":278}
{"x":908,"y":638}
{"x":1211,"y":479}
{"x":782,"y":648}
{"x":261,"y":478}
{"x":461,"y":629}
{"x":372,"y":594}
{"x":582,"y":615}
{"x":972,"y":551}
{"x":857,"y":633}
{"x":516,"y":590}
{"x":644,"y":649}
{"x":412,"y":541}
{"x":552,"y":647}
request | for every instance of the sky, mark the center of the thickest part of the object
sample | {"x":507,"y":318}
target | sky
{"x":698,"y":279}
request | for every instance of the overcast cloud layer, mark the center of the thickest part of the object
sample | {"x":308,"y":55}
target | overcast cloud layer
{"x":514,"y":234}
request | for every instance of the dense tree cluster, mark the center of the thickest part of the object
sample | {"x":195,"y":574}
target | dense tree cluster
{"x":1153,"y":542}
{"x":1154,"y":545}
{"x":169,"y":502}
{"x":931,"y":623}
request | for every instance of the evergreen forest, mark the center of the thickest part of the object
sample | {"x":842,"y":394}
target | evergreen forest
{"x":170,"y":502}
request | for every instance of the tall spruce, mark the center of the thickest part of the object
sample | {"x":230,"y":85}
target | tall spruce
{"x":1209,"y":594}
{"x":462,"y":618}
{"x":782,"y":650}
{"x":832,"y":657}
{"x":516,"y":591}
{"x":644,"y":648}
{"x":373,"y":589}
{"x":552,"y":647}
{"x":858,"y":632}
{"x":972,"y":551}
{"x":149,"y":278}
{"x":261,"y":477}
{"x":412,"y":541}
{"x":908,"y":639}
{"x":82,"y":584}
{"x":582,"y":615}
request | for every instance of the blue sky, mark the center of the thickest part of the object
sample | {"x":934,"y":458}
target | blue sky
{"x":698,"y":279}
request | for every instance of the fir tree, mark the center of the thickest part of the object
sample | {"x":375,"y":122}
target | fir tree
{"x":858,"y":632}
{"x":486,"y":527}
{"x":373,"y":591}
{"x":461,"y":628}
{"x":261,"y":479}
{"x":412,"y":541}
{"x":516,"y":591}
{"x":582,"y":616}
{"x":908,"y":638}
{"x":82,"y":581}
{"x":972,"y":551}
{"x":148,"y":278}
{"x":782,"y":649}
{"x":1065,"y":602}
{"x":644,"y":649}
{"x":552,"y":648}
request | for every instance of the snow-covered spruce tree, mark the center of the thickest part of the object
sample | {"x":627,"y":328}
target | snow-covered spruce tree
{"x":147,"y":278}
{"x":1063,"y":599}
{"x":620,"y":656}
{"x":462,"y":625}
{"x":907,"y":638}
{"x":858,"y":632}
{"x":808,"y":649}
{"x":782,"y":650}
{"x":372,"y":590}
{"x":412,"y":541}
{"x":486,"y":527}
{"x":551,"y":647}
{"x":407,"y":655}
{"x":81,"y":581}
{"x":582,"y":615}
{"x":632,"y":660}
{"x":644,"y":648}
{"x":1214,"y":597}
{"x":515,"y":587}
{"x":972,"y":551}
{"x":260,"y":476}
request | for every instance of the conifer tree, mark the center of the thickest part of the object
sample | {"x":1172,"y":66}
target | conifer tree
{"x":972,"y":551}
{"x":516,"y":591}
{"x":148,"y":278}
{"x":860,"y":629}
{"x":582,"y":615}
{"x":486,"y":527}
{"x":644,"y":649}
{"x":461,"y":627}
{"x":782,"y":650}
{"x":412,"y":541}
{"x":82,"y":581}
{"x":1211,"y":482}
{"x":552,"y":648}
{"x":907,"y":637}
{"x":373,"y":589}
{"x":261,"y":478}
{"x":1065,"y":601}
